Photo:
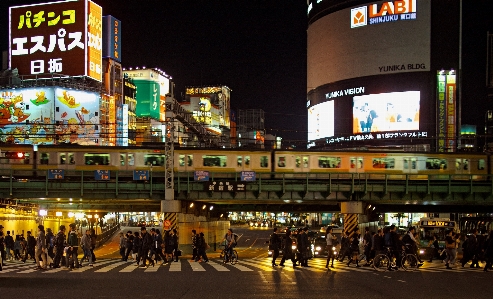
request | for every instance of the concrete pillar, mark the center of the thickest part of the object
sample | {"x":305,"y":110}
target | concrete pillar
{"x":351,"y":210}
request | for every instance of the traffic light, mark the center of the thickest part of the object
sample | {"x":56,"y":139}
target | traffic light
{"x":15,"y":155}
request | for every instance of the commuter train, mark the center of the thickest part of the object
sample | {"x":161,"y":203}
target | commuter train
{"x":285,"y":163}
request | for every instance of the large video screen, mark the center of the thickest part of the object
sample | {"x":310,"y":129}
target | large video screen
{"x":386,"y":112}
{"x":321,"y":121}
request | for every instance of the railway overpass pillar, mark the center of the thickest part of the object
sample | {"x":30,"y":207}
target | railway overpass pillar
{"x":351,"y":211}
{"x":170,"y":209}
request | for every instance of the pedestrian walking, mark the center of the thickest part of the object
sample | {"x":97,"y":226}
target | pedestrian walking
{"x":59,"y":246}
{"x":73,"y":247}
{"x":85,"y":243}
{"x":449,"y":249}
{"x":194,"y":245}
{"x":9,"y":245}
{"x":41,"y":248}
{"x":331,"y":240}
{"x":274,"y":246}
{"x":287,"y":250}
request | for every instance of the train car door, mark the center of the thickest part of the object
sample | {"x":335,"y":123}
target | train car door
{"x":66,"y":160}
{"x":410,"y":165}
{"x":127,"y":161}
{"x":243,"y":163}
{"x":185,"y":162}
{"x":356,"y":164}
{"x":462,"y":166}
{"x":302,"y":163}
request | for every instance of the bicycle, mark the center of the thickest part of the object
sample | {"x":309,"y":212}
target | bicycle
{"x":233,"y":259}
{"x":385,"y":261}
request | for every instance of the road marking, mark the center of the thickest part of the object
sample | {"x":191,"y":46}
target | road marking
{"x":175,"y":266}
{"x":129,"y":268}
{"x":83,"y":269}
{"x":217,"y":266}
{"x":387,"y":277}
{"x":401,"y":280}
{"x":268,"y":269}
{"x":152,"y":268}
{"x":262,"y":276}
{"x":196,"y":266}
{"x":110,"y":267}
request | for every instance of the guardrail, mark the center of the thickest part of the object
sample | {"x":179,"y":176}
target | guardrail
{"x":23,"y":184}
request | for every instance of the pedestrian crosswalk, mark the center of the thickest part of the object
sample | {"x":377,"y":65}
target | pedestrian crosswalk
{"x":216,"y":265}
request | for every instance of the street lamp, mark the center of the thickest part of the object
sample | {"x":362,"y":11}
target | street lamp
{"x":96,"y":216}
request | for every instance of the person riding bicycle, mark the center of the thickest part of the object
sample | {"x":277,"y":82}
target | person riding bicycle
{"x":391,"y":241}
{"x":230,"y":244}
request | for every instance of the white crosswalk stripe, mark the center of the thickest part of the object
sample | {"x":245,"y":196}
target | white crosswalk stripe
{"x":217,"y":265}
{"x":196,"y":266}
{"x":175,"y":267}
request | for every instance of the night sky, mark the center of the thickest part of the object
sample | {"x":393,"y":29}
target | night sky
{"x":257,"y":48}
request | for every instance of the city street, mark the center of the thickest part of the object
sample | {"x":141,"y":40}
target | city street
{"x":253,"y":277}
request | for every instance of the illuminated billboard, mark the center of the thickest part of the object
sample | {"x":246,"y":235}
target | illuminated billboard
{"x":385,"y":39}
{"x":217,"y":95}
{"x":321,"y":121}
{"x":112,"y":40}
{"x":59,"y":37}
{"x":386,"y":112}
{"x":77,"y":116}
{"x":47,"y":115}
{"x":152,"y":88}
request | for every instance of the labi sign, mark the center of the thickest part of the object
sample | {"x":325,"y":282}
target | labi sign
{"x":389,"y":11}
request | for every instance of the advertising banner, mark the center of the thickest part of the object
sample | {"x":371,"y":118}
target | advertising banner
{"x":59,"y":37}
{"x":26,"y":115}
{"x":441,"y":113}
{"x":450,"y":99}
{"x":321,"y":121}
{"x":95,"y":41}
{"x":76,"y":116}
{"x":125,"y":125}
{"x":112,"y":38}
{"x":148,"y":99}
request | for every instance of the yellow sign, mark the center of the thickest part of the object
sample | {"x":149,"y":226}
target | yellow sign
{"x":95,"y":41}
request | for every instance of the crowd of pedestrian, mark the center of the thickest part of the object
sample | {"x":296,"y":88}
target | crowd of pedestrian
{"x":150,"y":248}
{"x":47,"y":249}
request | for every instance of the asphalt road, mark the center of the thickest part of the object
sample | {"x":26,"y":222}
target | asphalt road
{"x":252,"y":277}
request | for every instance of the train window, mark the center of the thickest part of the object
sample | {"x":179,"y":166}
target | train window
{"x":190,"y":160}
{"x":44,"y":159}
{"x":356,"y":162}
{"x":384,"y":163}
{"x":481,"y":164}
{"x":154,"y":159}
{"x":130,"y":159}
{"x":181,"y":160}
{"x":305,"y":161}
{"x":97,"y":159}
{"x":264,"y":161}
{"x":281,"y":162}
{"x":217,"y":161}
{"x":434,"y":163}
{"x":71,"y":158}
{"x":63,"y":158}
{"x":239,"y":161}
{"x":329,"y":162}
{"x":298,"y":161}
{"x":247,"y":160}
{"x":122,"y":159}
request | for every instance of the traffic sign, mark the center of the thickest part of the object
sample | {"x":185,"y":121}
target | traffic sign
{"x":248,"y":176}
{"x":167,"y":223}
{"x":225,"y":186}
{"x":56,"y":174}
{"x":141,"y":175}
{"x":102,"y":175}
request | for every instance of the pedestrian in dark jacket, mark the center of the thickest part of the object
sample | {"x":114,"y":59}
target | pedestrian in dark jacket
{"x":194,"y":245}
{"x":175,"y":241}
{"x":30,"y":246}
{"x":41,"y":248}
{"x":146,"y":247}
{"x":128,"y":244}
{"x":470,"y":251}
{"x":202,"y":247}
{"x":354,"y":246}
{"x":275,"y":244}
{"x":488,"y":253}
{"x":169,"y":246}
{"x":137,"y":247}
{"x":59,"y":246}
{"x":287,"y":250}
